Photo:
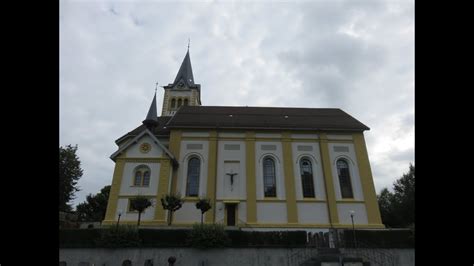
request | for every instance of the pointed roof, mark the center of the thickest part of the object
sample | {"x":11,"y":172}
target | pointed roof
{"x":185,"y":72}
{"x":135,"y":141}
{"x":151,"y":119}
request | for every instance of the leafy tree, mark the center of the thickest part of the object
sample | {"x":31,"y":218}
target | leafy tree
{"x":95,"y":206}
{"x":172,"y":203}
{"x":385,"y":200}
{"x":404,"y":197}
{"x":398,"y":208}
{"x":140,"y":203}
{"x":69,"y":173}
{"x":204,"y":205}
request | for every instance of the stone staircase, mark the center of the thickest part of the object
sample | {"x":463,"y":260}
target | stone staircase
{"x":334,"y":257}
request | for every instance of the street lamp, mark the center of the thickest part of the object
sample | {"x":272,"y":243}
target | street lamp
{"x":353,"y":229}
{"x":119,"y":214}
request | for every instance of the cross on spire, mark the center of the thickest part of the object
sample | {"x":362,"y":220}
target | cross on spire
{"x":156,"y":86}
{"x":189,"y":42}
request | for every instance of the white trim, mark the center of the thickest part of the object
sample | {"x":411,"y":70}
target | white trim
{"x":273,"y":155}
{"x":135,"y":140}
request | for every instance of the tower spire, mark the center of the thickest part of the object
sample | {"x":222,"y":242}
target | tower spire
{"x":185,"y":73}
{"x":151,"y":119}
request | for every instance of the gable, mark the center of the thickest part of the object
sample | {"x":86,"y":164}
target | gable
{"x":132,"y":149}
{"x":136,"y":149}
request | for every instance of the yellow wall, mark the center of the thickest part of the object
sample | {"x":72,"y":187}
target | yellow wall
{"x":292,"y":210}
{"x":370,"y":200}
{"x":327,"y":170}
{"x":211,"y":176}
{"x":251,"y":180}
{"x":366,"y":179}
{"x":114,"y":190}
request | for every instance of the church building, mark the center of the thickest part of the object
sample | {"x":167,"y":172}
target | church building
{"x":263,"y":168}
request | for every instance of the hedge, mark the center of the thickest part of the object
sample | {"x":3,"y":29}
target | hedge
{"x":259,"y":238}
{"x":91,"y":238}
{"x":163,"y":238}
{"x":379,"y":238}
{"x":78,"y":238}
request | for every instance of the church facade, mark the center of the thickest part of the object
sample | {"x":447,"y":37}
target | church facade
{"x":263,"y":168}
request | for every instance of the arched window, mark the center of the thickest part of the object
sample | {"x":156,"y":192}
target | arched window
{"x":173,"y":103}
{"x":344,"y":178}
{"x":307,"y":178}
{"x":146,"y":178}
{"x":185,"y":103}
{"x":192,"y":186}
{"x":141,"y":176}
{"x":179,"y":102}
{"x":138,"y":178}
{"x":269,"y":179}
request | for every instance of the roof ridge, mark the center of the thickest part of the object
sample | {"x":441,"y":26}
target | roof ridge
{"x":268,"y":107}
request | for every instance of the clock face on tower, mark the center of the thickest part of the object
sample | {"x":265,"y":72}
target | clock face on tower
{"x":145,"y":147}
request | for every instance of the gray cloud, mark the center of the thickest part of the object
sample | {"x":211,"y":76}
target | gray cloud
{"x":354,"y":55}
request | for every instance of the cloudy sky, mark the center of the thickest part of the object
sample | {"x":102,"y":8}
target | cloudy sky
{"x":357,"y":55}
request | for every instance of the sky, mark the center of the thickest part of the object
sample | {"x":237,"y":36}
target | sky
{"x":356,"y":55}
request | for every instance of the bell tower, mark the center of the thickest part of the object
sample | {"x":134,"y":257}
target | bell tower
{"x":183,"y":91}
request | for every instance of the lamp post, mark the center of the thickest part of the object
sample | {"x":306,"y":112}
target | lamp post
{"x":118,"y":221}
{"x":353,"y":229}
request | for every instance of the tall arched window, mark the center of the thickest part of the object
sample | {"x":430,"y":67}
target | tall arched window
{"x":173,"y":103}
{"x":179,"y":102}
{"x":185,"y":103}
{"x":141,"y":176}
{"x":137,"y":181}
{"x":344,"y":178}
{"x":307,"y":178}
{"x":146,"y":178}
{"x":192,"y":185}
{"x":269,"y":179}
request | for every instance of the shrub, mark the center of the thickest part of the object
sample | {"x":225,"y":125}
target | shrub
{"x":208,"y":236}
{"x":163,"y":238}
{"x":78,"y":238}
{"x":380,"y":238}
{"x":273,"y":238}
{"x":121,"y":236}
{"x":201,"y":236}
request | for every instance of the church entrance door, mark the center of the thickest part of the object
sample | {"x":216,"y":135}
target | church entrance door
{"x":230,"y":214}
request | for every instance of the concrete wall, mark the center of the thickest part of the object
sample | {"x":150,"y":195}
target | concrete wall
{"x":211,"y":257}
{"x":184,"y":256}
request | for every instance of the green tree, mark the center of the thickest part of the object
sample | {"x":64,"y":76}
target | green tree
{"x":204,"y":205}
{"x":385,"y":200}
{"x":69,"y":173}
{"x":139,"y":204}
{"x":398,"y":208}
{"x":404,"y":197}
{"x":95,"y":206}
{"x":172,"y":203}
